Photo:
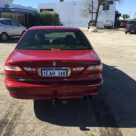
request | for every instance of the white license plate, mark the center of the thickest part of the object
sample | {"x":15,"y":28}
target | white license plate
{"x":132,"y":31}
{"x":54,"y":73}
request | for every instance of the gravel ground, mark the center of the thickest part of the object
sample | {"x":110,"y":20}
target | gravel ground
{"x":111,"y":113}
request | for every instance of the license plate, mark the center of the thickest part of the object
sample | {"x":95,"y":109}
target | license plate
{"x":54,"y":73}
{"x":132,"y":31}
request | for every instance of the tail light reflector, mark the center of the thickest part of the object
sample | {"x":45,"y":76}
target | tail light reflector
{"x":11,"y":68}
{"x":14,"y":70}
{"x":93,"y":69}
{"x":31,"y":70}
{"x":78,"y":69}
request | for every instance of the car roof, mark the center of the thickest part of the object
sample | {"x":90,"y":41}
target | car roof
{"x":123,"y":21}
{"x":53,"y":27}
{"x":4,"y":19}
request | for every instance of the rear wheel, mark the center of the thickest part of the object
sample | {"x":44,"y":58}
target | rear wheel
{"x":125,"y":32}
{"x":4,"y":37}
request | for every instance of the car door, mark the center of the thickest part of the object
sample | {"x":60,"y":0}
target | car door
{"x":17,"y":30}
{"x":132,"y":27}
{"x":135,"y":26}
{"x":7,"y":27}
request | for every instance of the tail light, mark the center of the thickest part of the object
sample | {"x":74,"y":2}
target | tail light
{"x":77,"y":70}
{"x":14,"y":70}
{"x":127,"y":25}
{"x":31,"y":70}
{"x":93,"y":69}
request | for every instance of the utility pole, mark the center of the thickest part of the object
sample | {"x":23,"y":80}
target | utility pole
{"x":129,"y":15}
{"x":92,"y":10}
{"x":73,"y":12}
{"x":134,"y":15}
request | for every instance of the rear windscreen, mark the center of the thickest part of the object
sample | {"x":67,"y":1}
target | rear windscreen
{"x":54,"y":40}
{"x":131,"y":22}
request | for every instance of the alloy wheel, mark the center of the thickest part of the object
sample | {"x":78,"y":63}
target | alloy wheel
{"x":4,"y":37}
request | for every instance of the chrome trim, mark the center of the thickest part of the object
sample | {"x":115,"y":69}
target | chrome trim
{"x":54,"y":63}
{"x":97,"y":84}
{"x":68,"y":74}
{"x":21,"y":80}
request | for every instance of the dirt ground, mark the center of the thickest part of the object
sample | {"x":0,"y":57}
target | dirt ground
{"x":111,"y":113}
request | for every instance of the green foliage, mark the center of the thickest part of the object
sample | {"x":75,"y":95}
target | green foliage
{"x":45,"y":18}
{"x":133,"y":19}
{"x":125,"y":16}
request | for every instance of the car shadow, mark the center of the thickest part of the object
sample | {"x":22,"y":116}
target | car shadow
{"x":133,"y":33}
{"x":114,"y":107}
{"x":12,"y":40}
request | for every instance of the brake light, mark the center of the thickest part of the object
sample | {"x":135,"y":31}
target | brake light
{"x":31,"y":70}
{"x":14,"y":70}
{"x":93,"y":69}
{"x":127,"y":25}
{"x":10,"y":68}
{"x":78,"y":69}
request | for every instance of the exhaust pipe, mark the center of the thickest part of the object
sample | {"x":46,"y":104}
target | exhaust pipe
{"x":54,"y":101}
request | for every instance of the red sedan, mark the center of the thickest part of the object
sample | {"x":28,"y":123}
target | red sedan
{"x":53,"y":63}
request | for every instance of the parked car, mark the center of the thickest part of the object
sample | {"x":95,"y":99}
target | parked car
{"x":131,"y":27}
{"x":10,"y":28}
{"x":123,"y":23}
{"x":53,"y":63}
{"x":108,"y":24}
{"x":90,"y":23}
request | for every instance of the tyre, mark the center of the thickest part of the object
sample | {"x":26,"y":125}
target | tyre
{"x":125,"y":32}
{"x":4,"y":37}
{"x":22,"y":33}
{"x":105,"y":27}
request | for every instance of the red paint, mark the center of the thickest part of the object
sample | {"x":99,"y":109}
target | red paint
{"x":77,"y":85}
{"x":54,"y":27}
{"x":49,"y":91}
{"x":47,"y":55}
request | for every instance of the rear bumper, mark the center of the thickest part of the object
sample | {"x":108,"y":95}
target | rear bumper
{"x":130,"y":30}
{"x":127,"y":30}
{"x":22,"y":90}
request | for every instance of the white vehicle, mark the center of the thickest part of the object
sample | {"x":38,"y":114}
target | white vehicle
{"x":108,"y":24}
{"x":9,"y":28}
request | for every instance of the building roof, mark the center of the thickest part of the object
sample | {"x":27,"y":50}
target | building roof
{"x":18,"y":10}
{"x":54,"y":27}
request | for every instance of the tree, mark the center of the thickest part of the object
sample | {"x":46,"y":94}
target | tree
{"x":133,"y":19}
{"x":125,"y":16}
{"x":95,"y":10}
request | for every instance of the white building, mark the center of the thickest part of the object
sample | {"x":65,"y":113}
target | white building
{"x":16,"y":12}
{"x":71,"y":12}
